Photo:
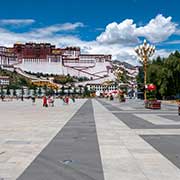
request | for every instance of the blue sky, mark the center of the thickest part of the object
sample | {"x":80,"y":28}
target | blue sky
{"x":97,"y":26}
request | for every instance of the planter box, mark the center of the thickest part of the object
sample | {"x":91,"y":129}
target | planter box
{"x":153,"y":104}
{"x":122,"y":100}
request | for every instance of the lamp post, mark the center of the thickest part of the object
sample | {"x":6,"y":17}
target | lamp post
{"x":145,"y":51}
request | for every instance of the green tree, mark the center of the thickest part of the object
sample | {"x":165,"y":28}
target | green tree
{"x":2,"y":91}
{"x":121,"y":76}
{"x":62,"y":90}
{"x":61,"y":79}
{"x":165,"y":74}
{"x":69,"y":89}
{"x":74,"y":90}
{"x":50,"y":92}
{"x":35,"y":91}
{"x":45,"y":89}
{"x":39,"y":91}
{"x":80,"y":89}
{"x":86,"y":92}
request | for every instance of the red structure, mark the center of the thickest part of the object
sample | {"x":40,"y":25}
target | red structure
{"x":33,"y":50}
{"x":42,"y":50}
{"x":45,"y":52}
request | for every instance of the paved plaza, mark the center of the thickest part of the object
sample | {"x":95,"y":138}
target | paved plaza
{"x":93,"y":139}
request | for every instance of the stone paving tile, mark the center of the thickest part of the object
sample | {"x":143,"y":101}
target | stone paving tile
{"x":157,"y":131}
{"x":26,"y":129}
{"x":135,"y":105}
{"x":142,"y":120}
{"x":72,"y":154}
{"x":125,"y":148}
{"x":152,"y":164}
{"x":157,"y":120}
{"x":172,"y":117}
{"x":168,"y":145}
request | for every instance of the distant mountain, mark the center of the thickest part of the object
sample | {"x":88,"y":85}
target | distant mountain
{"x":127,"y":65}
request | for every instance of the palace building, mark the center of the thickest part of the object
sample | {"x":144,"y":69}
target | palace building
{"x":7,"y":56}
{"x":46,"y":58}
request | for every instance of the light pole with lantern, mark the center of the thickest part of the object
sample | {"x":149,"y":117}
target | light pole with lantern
{"x":145,"y":51}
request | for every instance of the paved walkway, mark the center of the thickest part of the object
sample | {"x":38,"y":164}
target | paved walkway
{"x":25,"y":131}
{"x":126,"y":155}
{"x":89,"y":140}
{"x":72,"y":154}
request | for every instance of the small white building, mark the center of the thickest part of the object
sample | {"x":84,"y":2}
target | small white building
{"x":101,"y":87}
{"x":4,"y":80}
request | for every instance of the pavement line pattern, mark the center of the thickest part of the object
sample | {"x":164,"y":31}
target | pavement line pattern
{"x":157,"y":131}
{"x":125,"y":155}
{"x":73,"y":154}
{"x":123,"y":107}
{"x":157,"y":120}
{"x":127,"y":108}
{"x":168,"y":145}
{"x":145,"y":111}
{"x":135,"y":122}
{"x":132,"y":106}
{"x":24,"y":135}
{"x":172,"y":117}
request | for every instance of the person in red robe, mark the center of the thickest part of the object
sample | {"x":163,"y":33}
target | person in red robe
{"x":45,"y":101}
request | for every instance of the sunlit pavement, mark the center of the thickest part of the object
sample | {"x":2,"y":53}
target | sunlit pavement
{"x":89,"y":139}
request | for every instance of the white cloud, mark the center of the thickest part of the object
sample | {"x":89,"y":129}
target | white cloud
{"x":173,"y":42}
{"x":161,"y":53}
{"x":123,"y":53}
{"x":122,"y":33}
{"x":126,"y":32}
{"x":8,"y":38}
{"x":117,"y":39}
{"x":57,"y":28}
{"x":118,"y":52}
{"x":158,"y":29}
{"x":46,"y":34}
{"x":177,"y":32}
{"x":16,"y":21}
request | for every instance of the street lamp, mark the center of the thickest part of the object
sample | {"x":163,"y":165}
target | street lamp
{"x":145,"y":51}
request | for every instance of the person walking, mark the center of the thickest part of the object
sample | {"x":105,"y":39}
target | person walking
{"x":63,"y":98}
{"x":179,"y":107}
{"x":51,"y":101}
{"x":2,"y":97}
{"x":45,"y":101}
{"x":33,"y":100}
{"x":73,"y":99}
{"x":67,"y":100}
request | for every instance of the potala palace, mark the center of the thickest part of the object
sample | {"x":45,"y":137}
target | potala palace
{"x":46,"y":58}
